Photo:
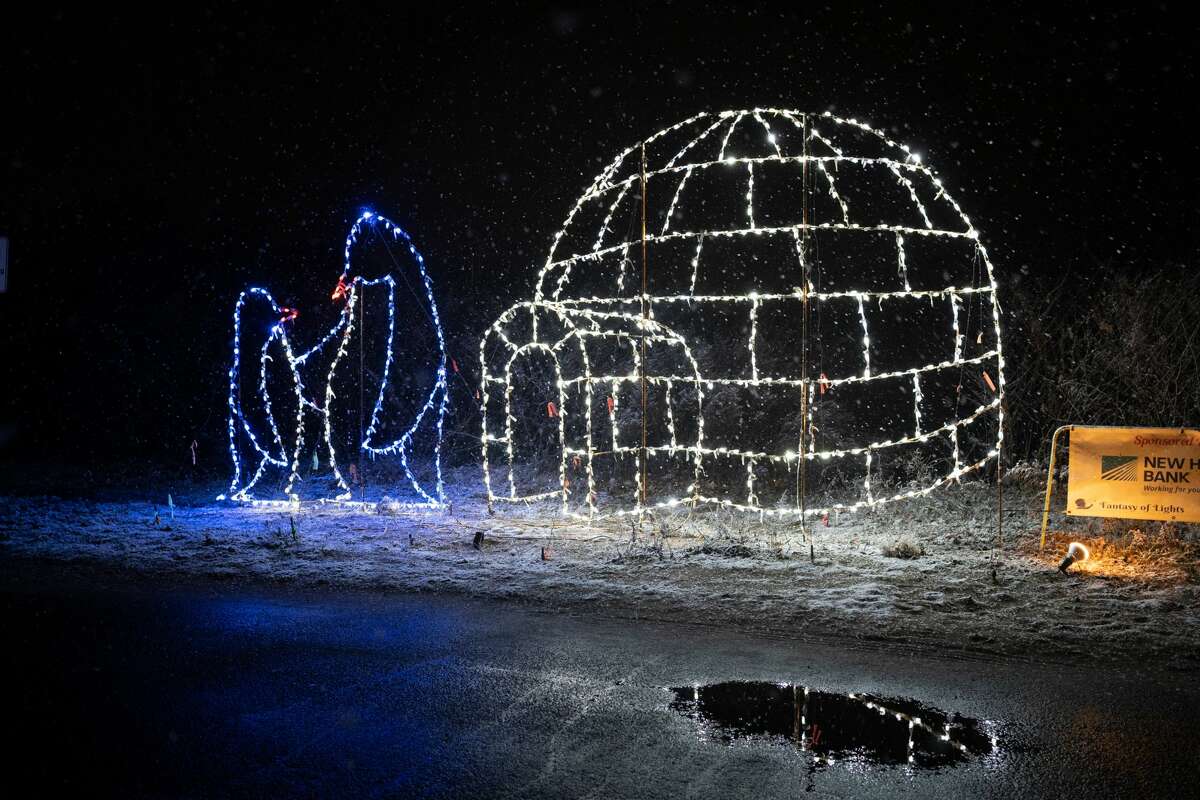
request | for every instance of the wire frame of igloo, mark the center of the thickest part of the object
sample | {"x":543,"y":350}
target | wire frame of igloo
{"x":259,"y":443}
{"x":803,"y":263}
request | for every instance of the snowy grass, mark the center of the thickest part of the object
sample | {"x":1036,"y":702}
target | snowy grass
{"x":1136,"y":600}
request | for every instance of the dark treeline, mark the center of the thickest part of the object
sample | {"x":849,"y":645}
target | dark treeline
{"x":152,"y":166}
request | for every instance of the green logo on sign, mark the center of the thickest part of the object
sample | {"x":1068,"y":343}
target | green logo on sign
{"x":1118,"y":468}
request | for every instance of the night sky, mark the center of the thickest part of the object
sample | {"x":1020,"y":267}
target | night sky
{"x":154,"y":165}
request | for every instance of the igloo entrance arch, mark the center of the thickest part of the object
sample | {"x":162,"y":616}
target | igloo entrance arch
{"x":587,"y":404}
{"x":816,"y":305}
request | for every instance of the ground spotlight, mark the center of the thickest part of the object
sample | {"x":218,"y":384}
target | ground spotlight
{"x":1075,"y":552}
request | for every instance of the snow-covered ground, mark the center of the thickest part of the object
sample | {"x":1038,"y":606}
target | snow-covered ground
{"x":958,"y":592}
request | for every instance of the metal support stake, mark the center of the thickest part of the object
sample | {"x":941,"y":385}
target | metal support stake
{"x":1050,"y":482}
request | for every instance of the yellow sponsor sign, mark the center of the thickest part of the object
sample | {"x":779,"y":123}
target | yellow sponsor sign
{"x":1135,"y":473}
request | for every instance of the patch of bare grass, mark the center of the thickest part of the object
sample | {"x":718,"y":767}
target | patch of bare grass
{"x":903,"y":548}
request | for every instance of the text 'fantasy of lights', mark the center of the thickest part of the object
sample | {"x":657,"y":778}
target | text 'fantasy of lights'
{"x":803,"y":268}
{"x":260,"y":441}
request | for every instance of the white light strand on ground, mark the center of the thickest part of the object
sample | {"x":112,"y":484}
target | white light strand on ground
{"x":580,"y":319}
{"x":348,"y":289}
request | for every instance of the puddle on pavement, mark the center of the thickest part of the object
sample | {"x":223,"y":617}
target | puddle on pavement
{"x":833,"y":726}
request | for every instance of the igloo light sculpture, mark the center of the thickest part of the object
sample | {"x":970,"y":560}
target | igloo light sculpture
{"x":793,"y":300}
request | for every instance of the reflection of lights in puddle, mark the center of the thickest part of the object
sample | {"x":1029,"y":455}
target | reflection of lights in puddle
{"x":834,"y":726}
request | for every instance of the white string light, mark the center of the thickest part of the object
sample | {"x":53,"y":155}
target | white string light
{"x":902,"y":262}
{"x":241,"y":430}
{"x":914,"y":721}
{"x":573,"y":320}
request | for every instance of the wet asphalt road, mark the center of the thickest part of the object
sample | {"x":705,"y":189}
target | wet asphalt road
{"x":219,"y":690}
